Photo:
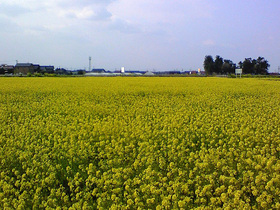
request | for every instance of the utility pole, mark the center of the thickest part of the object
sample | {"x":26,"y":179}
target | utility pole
{"x":89,"y":65}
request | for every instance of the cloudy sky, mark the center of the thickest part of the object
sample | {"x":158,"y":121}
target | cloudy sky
{"x":138,"y":34}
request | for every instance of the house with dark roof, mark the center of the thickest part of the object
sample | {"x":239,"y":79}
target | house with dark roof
{"x":98,"y":71}
{"x":135,"y":72}
{"x":6,"y":69}
{"x":62,"y":71}
{"x":47,"y":69}
{"x":25,"y":68}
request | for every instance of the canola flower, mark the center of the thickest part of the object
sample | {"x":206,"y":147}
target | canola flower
{"x":139,"y":143}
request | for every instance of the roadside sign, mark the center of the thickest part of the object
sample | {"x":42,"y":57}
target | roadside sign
{"x":238,"y":71}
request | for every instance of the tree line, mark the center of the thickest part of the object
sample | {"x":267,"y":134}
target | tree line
{"x":225,"y":66}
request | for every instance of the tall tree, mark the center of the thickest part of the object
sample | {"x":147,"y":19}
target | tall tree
{"x":2,"y":70}
{"x":261,"y":66}
{"x":208,"y":64}
{"x":254,"y":66}
{"x":228,"y":67}
{"x":248,"y":66}
{"x":240,"y":64}
{"x":219,"y":61}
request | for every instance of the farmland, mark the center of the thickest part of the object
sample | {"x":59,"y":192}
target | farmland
{"x":139,"y":143}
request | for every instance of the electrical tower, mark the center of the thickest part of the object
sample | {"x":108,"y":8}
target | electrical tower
{"x":89,"y":64}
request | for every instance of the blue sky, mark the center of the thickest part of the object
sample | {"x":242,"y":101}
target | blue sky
{"x":138,"y":34}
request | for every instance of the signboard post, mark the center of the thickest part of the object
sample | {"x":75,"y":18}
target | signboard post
{"x":238,"y":71}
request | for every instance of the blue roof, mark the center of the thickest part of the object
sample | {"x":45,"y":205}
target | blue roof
{"x":24,"y":64}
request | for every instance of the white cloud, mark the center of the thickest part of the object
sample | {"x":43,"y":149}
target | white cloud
{"x":160,"y":11}
{"x":158,"y":33}
{"x":163,"y":17}
{"x":122,"y":26}
{"x":12,"y":10}
{"x":57,"y":11}
{"x":123,"y":15}
{"x":8,"y":26}
{"x":209,"y":42}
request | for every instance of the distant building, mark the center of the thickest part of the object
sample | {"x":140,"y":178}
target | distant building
{"x":25,"y":68}
{"x":171,"y":72}
{"x":185,"y":72}
{"x":149,"y":73}
{"x":274,"y":73}
{"x":6,"y":69}
{"x":138,"y":72}
{"x":36,"y":68}
{"x":77,"y":72}
{"x":47,"y":69}
{"x":62,"y":71}
{"x":98,"y":71}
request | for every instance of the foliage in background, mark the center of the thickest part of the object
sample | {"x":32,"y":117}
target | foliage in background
{"x":257,"y":66}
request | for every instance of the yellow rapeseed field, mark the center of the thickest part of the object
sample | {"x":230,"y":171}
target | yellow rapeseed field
{"x":139,"y":143}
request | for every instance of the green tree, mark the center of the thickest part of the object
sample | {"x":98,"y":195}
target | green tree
{"x":2,"y":70}
{"x":208,"y":64}
{"x":248,"y":66}
{"x":254,"y":66}
{"x":240,"y":64}
{"x":219,"y":61}
{"x":261,"y":66}
{"x":228,"y":67}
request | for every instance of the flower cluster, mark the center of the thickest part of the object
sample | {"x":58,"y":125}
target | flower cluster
{"x":139,"y":143}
